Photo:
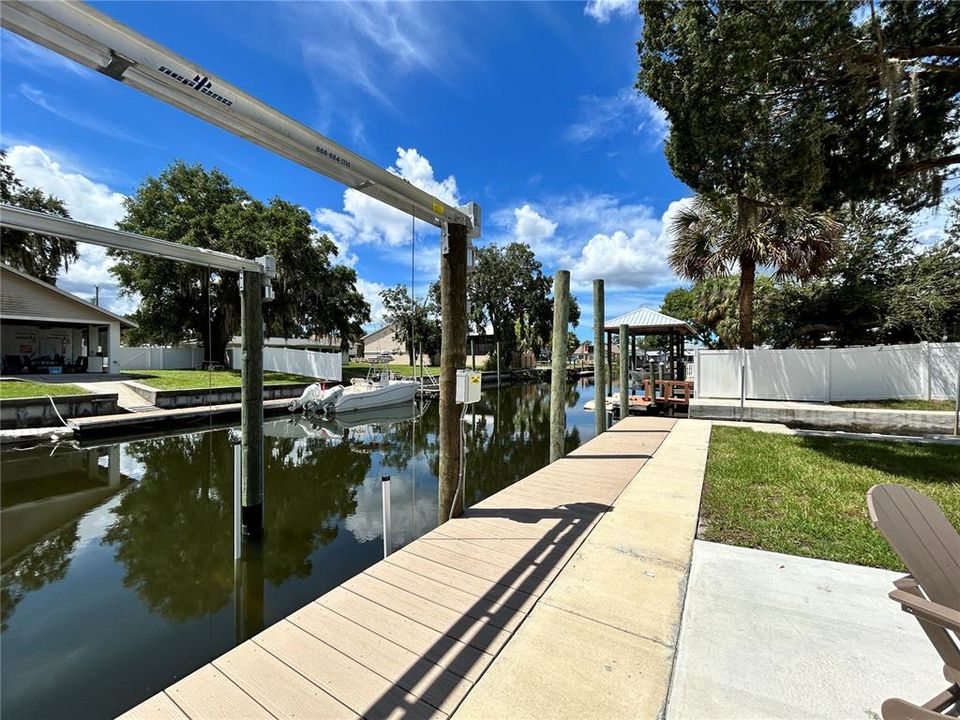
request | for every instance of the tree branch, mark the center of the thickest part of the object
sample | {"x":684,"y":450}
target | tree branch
{"x":948,"y":51}
{"x":921,"y":165}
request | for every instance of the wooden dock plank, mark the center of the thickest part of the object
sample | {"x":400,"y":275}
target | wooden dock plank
{"x":470,"y":630}
{"x":515,"y":548}
{"x":435,"y":646}
{"x":512,"y":598}
{"x":490,"y":527}
{"x":449,"y":597}
{"x":436,"y":685}
{"x":276,"y":686}
{"x":159,"y":707}
{"x":530,"y":579}
{"x":209,"y":693}
{"x":350,"y":682}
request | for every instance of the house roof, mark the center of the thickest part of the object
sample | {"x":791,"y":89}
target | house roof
{"x":644,"y":321}
{"x":24,"y":297}
{"x":378,"y":332}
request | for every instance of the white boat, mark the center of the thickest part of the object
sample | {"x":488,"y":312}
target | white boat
{"x":369,"y":394}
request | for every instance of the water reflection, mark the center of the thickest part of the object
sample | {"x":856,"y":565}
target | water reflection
{"x":115,"y":556}
{"x":173,"y":530}
{"x":42,"y":496}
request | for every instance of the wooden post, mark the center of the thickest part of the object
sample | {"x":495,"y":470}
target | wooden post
{"x":633,"y":358}
{"x":473,"y":355}
{"x":624,"y":374}
{"x":498,"y":363}
{"x":608,"y":374}
{"x":453,"y":338}
{"x":558,"y":372}
{"x":248,"y":619}
{"x":599,"y":383}
{"x":251,"y":403}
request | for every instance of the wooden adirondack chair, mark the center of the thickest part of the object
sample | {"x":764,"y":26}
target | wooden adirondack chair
{"x":930,"y":548}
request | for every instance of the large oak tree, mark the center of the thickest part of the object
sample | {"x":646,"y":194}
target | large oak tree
{"x":190,"y":205}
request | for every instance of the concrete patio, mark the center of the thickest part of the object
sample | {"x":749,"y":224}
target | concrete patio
{"x":771,"y":636}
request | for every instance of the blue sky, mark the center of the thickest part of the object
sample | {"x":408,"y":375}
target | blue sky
{"x":525,"y":108}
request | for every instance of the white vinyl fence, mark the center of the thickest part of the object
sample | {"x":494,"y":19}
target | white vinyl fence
{"x":321,"y":365}
{"x":160,"y":358}
{"x":925,"y":371}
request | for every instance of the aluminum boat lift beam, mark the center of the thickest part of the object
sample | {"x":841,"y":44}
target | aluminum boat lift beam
{"x":16,"y":218}
{"x":91,"y":38}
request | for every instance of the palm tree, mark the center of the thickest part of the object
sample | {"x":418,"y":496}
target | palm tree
{"x":712,"y":234}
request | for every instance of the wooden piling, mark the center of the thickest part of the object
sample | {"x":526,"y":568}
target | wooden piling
{"x":558,"y":372}
{"x":624,"y":374}
{"x":251,"y":403}
{"x":599,"y":382}
{"x":608,"y":374}
{"x":453,"y":351}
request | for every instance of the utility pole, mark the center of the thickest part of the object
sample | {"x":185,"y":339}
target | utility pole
{"x":558,"y":371}
{"x":599,"y":383}
{"x":251,"y":403}
{"x":453,"y":352}
{"x":624,"y":377}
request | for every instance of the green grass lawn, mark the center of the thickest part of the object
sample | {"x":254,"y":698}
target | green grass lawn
{"x":360,"y":369}
{"x":10,"y":389}
{"x":202,"y":379}
{"x":807,"y":495}
{"x":899,"y":404}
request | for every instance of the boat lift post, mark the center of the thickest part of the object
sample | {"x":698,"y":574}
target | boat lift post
{"x":256,"y":276}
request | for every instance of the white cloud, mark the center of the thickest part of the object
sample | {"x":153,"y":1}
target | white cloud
{"x":930,"y":223}
{"x":371,"y":293}
{"x":603,"y":10}
{"x":365,"y":220}
{"x":87,"y":201}
{"x":534,"y":229}
{"x":381,"y":39}
{"x":633,"y":257}
{"x":594,"y":236}
{"x":605,"y":116}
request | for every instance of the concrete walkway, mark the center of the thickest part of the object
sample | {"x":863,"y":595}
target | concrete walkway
{"x":770,"y":636}
{"x":822,"y":416}
{"x":126,"y":398}
{"x":600,"y":643}
{"x":780,"y":429}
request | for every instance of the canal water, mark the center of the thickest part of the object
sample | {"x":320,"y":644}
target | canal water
{"x":117,"y":560}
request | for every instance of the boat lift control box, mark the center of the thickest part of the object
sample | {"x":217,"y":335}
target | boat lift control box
{"x":468,"y":386}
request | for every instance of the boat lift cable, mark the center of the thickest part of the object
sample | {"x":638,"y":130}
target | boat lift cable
{"x":96,"y":41}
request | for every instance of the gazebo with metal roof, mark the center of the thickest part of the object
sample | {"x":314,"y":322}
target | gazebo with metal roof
{"x":644,"y":321}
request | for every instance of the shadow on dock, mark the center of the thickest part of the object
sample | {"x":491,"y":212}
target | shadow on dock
{"x":530,"y":575}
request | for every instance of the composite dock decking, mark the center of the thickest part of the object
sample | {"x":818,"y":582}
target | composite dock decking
{"x":410,"y":636}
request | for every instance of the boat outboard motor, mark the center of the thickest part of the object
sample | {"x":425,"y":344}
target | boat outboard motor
{"x":329,"y":398}
{"x":315,"y":397}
